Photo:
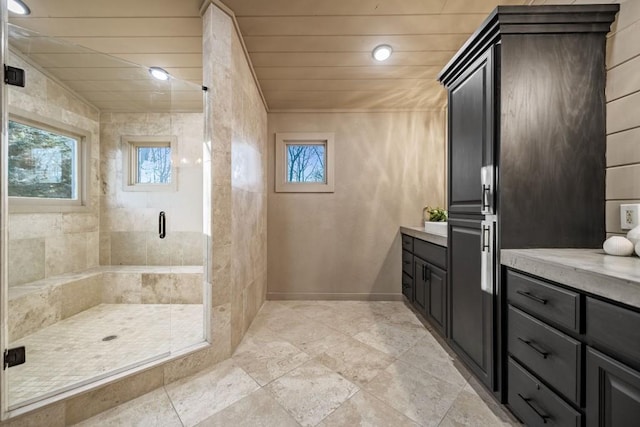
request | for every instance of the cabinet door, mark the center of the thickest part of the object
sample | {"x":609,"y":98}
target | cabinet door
{"x":407,"y":286}
{"x":471,"y":138}
{"x":421,"y":287}
{"x":613,"y":392}
{"x":470,"y":308}
{"x":436,"y":308}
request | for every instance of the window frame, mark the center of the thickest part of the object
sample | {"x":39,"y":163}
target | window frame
{"x":130,"y":145}
{"x":283,"y":139}
{"x":18,"y":204}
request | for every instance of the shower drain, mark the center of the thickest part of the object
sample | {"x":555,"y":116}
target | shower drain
{"x":109,"y":337}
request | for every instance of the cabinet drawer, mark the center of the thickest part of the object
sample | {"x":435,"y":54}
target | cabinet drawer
{"x":433,"y":254}
{"x":550,"y":354}
{"x":407,"y":243}
{"x":407,"y":263}
{"x":535,"y":404}
{"x":407,"y":286}
{"x":544,"y":300}
{"x":615,"y":328}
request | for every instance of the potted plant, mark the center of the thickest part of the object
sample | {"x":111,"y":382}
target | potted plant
{"x":435,"y":220}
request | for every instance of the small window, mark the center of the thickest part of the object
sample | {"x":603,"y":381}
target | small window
{"x":304,"y":162}
{"x":148,"y":163}
{"x":45,"y":165}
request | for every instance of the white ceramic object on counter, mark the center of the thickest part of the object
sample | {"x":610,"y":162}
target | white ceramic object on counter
{"x":618,"y":245}
{"x":634,"y":235}
{"x":638,"y":248}
{"x":437,"y":228}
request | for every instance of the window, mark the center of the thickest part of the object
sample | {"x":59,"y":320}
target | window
{"x":45,"y":165}
{"x":304,"y":162}
{"x":148,"y":163}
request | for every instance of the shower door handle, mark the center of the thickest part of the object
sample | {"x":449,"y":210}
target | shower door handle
{"x":162,"y":225}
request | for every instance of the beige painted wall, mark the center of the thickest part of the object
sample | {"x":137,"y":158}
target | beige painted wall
{"x":42,"y":245}
{"x":623,"y":109}
{"x":346,"y":244}
{"x":129,"y":219}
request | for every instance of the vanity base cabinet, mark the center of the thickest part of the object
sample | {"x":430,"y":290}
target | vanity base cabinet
{"x":613,"y":392}
{"x":424,"y":284}
{"x":588,"y":369}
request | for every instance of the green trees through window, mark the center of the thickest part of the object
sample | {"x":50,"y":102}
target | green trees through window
{"x":42,"y":163}
{"x":306,"y":163}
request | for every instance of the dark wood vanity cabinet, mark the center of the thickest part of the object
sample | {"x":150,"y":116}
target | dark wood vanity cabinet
{"x":570,"y":356}
{"x":526,"y":155}
{"x":426,"y":287}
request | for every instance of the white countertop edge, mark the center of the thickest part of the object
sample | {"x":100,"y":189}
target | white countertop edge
{"x":419,"y":233}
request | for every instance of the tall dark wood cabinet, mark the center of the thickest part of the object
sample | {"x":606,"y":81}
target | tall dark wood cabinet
{"x":526,"y":126}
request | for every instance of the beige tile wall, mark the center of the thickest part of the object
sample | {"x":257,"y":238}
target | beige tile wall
{"x":345,"y":244}
{"x":236,"y":199}
{"x":129,"y":220}
{"x":623,"y":109}
{"x":42,"y":245}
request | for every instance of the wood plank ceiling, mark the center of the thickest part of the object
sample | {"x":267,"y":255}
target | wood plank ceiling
{"x":307,"y":54}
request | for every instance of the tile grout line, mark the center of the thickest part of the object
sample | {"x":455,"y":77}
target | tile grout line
{"x":164,"y":388}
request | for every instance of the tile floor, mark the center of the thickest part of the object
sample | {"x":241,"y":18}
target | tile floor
{"x":71,"y":351}
{"x":323,"y":363}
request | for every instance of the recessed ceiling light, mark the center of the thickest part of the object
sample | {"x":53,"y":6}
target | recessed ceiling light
{"x":158,"y":73}
{"x":18,"y":7}
{"x":382,"y":52}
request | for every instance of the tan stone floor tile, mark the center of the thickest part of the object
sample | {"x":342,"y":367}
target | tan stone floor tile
{"x":429,"y":356}
{"x":266,"y":357}
{"x":151,"y":409}
{"x":259,"y":409}
{"x":355,"y":361}
{"x":311,"y":392}
{"x":415,"y":393}
{"x":470,"y":410}
{"x":198,"y":397}
{"x":364,"y":410}
{"x":308,"y":335}
{"x":391,"y":338}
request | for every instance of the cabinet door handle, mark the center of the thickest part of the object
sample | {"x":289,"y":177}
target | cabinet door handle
{"x":542,"y":353}
{"x":544,"y":417}
{"x":486,"y":189}
{"x":532,"y":297}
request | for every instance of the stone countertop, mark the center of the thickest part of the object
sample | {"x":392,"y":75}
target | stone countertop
{"x":589,"y":270}
{"x":419,"y":233}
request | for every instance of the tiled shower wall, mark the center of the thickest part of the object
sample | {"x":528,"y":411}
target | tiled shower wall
{"x":237,"y":196}
{"x":42,"y":245}
{"x":129,"y":219}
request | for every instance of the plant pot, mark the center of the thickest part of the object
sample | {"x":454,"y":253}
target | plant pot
{"x":437,"y":228}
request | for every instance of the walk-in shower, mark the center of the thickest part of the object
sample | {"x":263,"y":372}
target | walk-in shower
{"x":105,"y":237}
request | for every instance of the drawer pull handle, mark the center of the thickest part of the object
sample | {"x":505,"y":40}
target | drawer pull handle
{"x":532,"y":297}
{"x":407,"y":262}
{"x":542,"y":353}
{"x":539,"y":413}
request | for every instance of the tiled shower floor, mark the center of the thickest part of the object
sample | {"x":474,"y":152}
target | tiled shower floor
{"x":72,"y":351}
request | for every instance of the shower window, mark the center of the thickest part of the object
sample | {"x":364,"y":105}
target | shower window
{"x":44,"y":166}
{"x":148,"y":163}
